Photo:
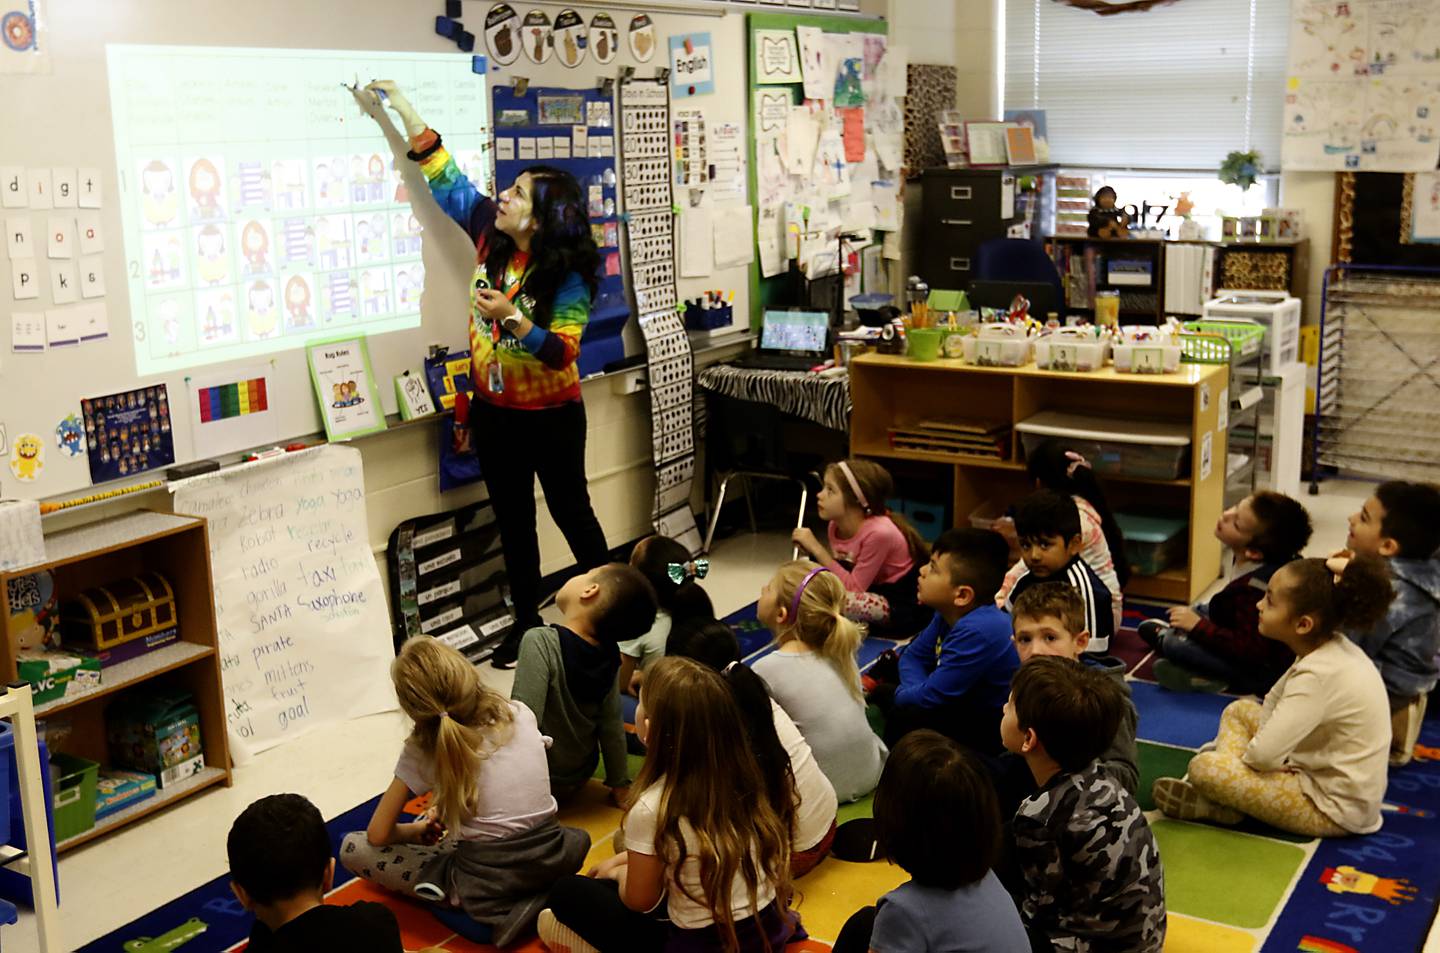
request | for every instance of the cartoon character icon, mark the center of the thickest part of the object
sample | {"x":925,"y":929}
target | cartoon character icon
{"x":337,"y":395}
{"x":70,"y":436}
{"x":210,"y":248}
{"x":158,"y":201}
{"x":255,"y":246}
{"x":205,"y":189}
{"x":297,"y":303}
{"x":27,"y":457}
{"x":263,"y":320}
{"x":1347,"y":879}
{"x":33,"y":610}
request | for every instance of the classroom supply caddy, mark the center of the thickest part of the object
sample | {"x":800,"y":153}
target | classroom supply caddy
{"x":1072,"y":349}
{"x":83,"y":558}
{"x":1146,"y":350}
{"x":999,"y":344}
{"x":1276,"y":312}
{"x":1176,"y":478}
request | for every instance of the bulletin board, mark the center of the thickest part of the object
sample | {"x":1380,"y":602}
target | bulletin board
{"x":1376,"y":219}
{"x":778,"y":289}
{"x":574,"y":130}
{"x":63,"y":117}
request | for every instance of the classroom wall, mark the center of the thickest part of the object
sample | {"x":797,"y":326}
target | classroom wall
{"x":1314,"y":194}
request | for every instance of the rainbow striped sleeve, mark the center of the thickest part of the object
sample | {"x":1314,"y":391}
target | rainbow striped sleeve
{"x":561,"y":346}
{"x":455,"y":193}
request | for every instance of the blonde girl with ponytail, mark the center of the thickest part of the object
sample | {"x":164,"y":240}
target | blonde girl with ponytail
{"x":488,"y":842}
{"x":814,"y":676}
{"x":874,"y":552}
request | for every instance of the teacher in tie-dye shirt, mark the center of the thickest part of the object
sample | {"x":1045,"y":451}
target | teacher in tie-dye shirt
{"x":536,"y":269}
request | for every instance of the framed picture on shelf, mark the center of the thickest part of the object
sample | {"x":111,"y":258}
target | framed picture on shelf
{"x":985,"y":143}
{"x":1020,"y":145}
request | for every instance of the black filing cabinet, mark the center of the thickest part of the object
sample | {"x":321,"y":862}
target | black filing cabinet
{"x":961,"y":209}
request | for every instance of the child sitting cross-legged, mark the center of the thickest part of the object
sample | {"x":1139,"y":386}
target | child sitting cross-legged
{"x":1401,"y":523}
{"x":935,"y":816}
{"x":1049,"y":620}
{"x":489,"y":844}
{"x":280,"y":870}
{"x":813,"y":674}
{"x":1090,"y":866}
{"x":1219,"y":645}
{"x":953,"y":677}
{"x":870,"y":548}
{"x":1313,"y":759}
{"x":1047,"y":525}
{"x":567,"y":675}
{"x":706,"y":865}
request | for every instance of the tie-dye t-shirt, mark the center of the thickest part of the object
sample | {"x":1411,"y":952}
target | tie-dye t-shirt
{"x":539,"y":371}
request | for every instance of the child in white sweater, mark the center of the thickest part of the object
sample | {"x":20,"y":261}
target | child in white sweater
{"x":1313,"y":759}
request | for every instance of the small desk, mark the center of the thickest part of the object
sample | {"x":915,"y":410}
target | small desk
{"x":890,"y":389}
{"x":821,"y":400}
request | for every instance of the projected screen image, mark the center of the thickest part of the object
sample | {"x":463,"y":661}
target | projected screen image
{"x":261,"y":209}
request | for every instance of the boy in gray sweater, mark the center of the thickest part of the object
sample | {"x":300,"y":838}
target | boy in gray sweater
{"x":566,"y":675}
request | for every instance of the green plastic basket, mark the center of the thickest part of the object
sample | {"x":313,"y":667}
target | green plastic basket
{"x":1244,"y":338}
{"x":1204,"y":348}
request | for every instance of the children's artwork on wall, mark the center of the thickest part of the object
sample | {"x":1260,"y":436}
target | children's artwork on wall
{"x":819,"y":82}
{"x":27,"y":457}
{"x":535,"y":37}
{"x":345,"y":388}
{"x":570,"y":38}
{"x":777,"y":57}
{"x":560,"y":110}
{"x":70,"y":436}
{"x":692,"y":67}
{"x":604,"y":38}
{"x":129,"y":432}
{"x":24,"y":42}
{"x":502,"y":33}
{"x":642,"y":37}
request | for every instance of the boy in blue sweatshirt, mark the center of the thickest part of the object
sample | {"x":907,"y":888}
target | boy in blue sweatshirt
{"x":955,"y":675}
{"x":1401,"y":522}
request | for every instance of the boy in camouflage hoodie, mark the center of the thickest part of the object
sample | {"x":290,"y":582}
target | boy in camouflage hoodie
{"x":1401,"y":523}
{"x":1092,"y":876}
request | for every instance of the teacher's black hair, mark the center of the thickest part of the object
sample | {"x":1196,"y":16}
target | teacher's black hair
{"x":562,"y":242}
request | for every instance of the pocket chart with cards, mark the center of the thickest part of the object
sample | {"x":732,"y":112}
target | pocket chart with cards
{"x":649,"y":235}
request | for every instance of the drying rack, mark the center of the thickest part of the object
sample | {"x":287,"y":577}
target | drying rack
{"x":1378,"y":392}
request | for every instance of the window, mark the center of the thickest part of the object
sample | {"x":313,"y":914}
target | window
{"x":1175,"y":87}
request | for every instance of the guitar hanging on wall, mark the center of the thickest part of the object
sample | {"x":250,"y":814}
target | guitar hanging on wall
{"x":1108,"y":7}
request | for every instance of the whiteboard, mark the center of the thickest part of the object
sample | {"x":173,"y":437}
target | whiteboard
{"x":63,"y":119}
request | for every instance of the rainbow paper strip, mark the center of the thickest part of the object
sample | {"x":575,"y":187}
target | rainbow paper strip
{"x":1316,"y":944}
{"x":232,"y":400}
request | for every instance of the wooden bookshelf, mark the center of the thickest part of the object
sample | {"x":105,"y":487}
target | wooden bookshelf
{"x":887,"y":388}
{"x":177,"y":547}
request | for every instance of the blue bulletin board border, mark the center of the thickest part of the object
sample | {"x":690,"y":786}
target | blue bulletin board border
{"x":601,"y":343}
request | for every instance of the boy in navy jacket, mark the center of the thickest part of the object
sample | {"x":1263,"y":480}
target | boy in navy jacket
{"x":1048,"y":526}
{"x":955,"y":675}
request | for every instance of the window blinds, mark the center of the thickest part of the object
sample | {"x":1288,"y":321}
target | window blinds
{"x":1174,"y":87}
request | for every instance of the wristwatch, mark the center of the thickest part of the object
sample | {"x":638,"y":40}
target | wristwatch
{"x":511,"y":322}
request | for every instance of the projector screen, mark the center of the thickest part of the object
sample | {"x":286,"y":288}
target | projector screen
{"x":261,"y":209}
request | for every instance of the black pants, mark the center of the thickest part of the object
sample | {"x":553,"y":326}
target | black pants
{"x":593,"y":909}
{"x":855,"y":934}
{"x":974,"y":726}
{"x":515,"y":447}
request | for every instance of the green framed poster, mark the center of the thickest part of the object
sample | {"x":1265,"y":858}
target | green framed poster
{"x":345,"y":387}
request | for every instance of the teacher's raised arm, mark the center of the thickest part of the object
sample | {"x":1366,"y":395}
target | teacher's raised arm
{"x":536,"y":270}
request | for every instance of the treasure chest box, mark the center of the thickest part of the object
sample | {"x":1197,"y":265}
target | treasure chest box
{"x":119,"y":612}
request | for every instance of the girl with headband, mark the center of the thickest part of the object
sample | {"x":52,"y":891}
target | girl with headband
{"x":814,"y":677}
{"x":874,"y":552}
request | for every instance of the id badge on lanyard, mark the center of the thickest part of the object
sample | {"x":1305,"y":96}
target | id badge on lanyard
{"x":494,"y":378}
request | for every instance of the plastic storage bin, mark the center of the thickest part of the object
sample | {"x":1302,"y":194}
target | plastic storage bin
{"x":1152,"y":543}
{"x":1276,"y":311}
{"x":1244,"y":338}
{"x":1149,"y":449}
{"x":1146,"y":350}
{"x":998,"y":345}
{"x":74,"y":794}
{"x":1071,"y":349}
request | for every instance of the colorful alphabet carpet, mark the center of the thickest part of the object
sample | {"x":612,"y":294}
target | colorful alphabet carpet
{"x":1247,"y":890}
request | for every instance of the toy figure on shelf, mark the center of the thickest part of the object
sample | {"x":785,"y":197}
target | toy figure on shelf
{"x":1106,"y":220}
{"x":1019,"y":309}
